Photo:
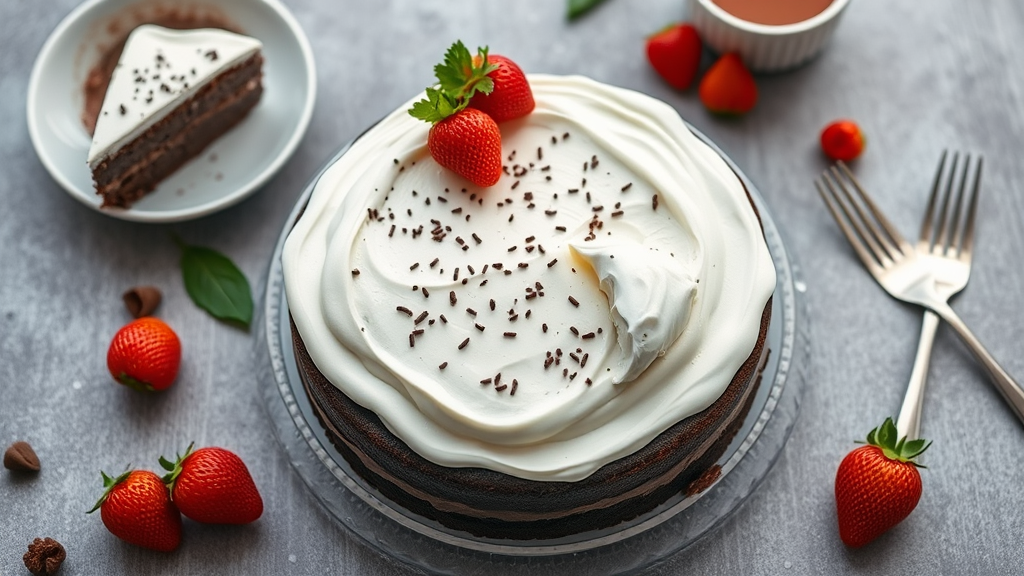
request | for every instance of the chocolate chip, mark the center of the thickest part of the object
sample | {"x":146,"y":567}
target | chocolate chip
{"x":44,"y":556}
{"x":20,"y":457}
{"x":142,"y":300}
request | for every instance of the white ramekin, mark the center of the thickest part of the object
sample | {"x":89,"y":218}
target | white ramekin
{"x":765,"y":48}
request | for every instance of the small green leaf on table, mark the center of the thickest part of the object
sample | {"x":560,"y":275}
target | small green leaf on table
{"x":578,"y":8}
{"x":216,"y":285}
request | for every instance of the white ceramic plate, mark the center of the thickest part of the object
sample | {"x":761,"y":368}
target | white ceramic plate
{"x":231,"y":168}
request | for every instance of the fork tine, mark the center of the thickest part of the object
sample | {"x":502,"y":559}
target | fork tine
{"x":848,"y":205}
{"x":831,"y":199}
{"x":965,"y":235}
{"x":942,"y":236}
{"x":955,"y":233}
{"x":926,"y":224}
{"x":895,"y":241}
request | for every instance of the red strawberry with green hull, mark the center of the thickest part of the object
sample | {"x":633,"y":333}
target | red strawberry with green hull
{"x":213,"y":486}
{"x":511,"y":97}
{"x":472,"y":94}
{"x":877,"y":485}
{"x":137,"y":508}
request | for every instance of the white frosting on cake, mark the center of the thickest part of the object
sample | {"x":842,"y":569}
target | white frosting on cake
{"x":654,"y":305}
{"x":159,"y":69}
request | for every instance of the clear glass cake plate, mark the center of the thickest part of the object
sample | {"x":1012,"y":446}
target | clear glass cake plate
{"x":427,"y":546}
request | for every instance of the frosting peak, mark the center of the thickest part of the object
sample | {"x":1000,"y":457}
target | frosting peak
{"x":650,"y":296}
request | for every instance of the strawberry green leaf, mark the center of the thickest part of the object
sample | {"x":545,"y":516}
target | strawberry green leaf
{"x":216,"y":285}
{"x":894,"y":448}
{"x":459,"y":77}
{"x":435,"y":107}
{"x":451,"y":75}
{"x":108,"y":485}
{"x":577,"y":8}
{"x":914,"y":448}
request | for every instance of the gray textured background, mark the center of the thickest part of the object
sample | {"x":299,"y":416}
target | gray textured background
{"x":918,"y":76}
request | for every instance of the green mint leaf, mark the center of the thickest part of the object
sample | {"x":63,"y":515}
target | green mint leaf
{"x":577,"y":8}
{"x":216,"y":285}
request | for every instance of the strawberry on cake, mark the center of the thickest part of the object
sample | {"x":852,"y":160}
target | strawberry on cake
{"x":553,"y":353}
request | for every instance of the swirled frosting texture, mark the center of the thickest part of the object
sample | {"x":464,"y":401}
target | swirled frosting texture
{"x":610,"y":285}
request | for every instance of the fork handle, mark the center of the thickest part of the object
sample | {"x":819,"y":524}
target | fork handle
{"x":909,"y":422}
{"x":1006,"y":385}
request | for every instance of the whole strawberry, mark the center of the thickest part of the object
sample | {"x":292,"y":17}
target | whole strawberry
{"x":213,"y":485}
{"x":463,"y":140}
{"x":469,"y":144}
{"x":511,"y":97}
{"x":842,"y":140}
{"x":877,"y":485}
{"x":674,"y":53}
{"x":137,"y":508}
{"x":728,"y":87}
{"x":145,"y":355}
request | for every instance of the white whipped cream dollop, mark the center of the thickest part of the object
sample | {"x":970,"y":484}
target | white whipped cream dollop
{"x":649,"y":294}
{"x":610,"y":285}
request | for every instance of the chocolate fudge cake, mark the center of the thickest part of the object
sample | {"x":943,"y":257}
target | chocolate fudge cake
{"x":556,"y":354}
{"x":172,"y":93}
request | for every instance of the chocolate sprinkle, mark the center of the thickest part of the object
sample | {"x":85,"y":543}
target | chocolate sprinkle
{"x":404,"y":310}
{"x":574,"y":302}
{"x":443,"y":366}
{"x":464,"y":344}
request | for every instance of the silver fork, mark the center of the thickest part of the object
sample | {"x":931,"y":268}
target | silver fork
{"x":947,"y":238}
{"x":901,"y":270}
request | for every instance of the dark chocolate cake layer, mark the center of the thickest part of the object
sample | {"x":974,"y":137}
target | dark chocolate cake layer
{"x":496,"y":505}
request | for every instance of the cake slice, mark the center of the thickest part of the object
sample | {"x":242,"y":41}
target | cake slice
{"x":172,"y":93}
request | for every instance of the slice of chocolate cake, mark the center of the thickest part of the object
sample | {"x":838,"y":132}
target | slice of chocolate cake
{"x":172,"y":93}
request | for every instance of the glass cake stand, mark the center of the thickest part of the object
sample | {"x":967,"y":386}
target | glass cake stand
{"x":643,"y":542}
